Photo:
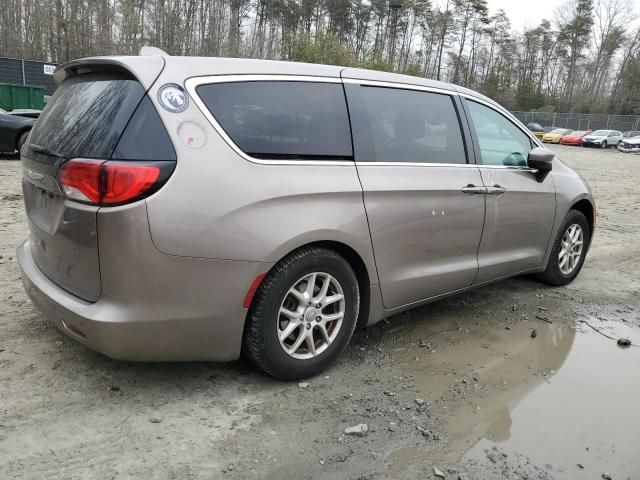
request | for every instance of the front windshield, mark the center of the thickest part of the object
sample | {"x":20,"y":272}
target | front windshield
{"x":600,"y":133}
{"x":558,"y":131}
{"x":579,"y":133}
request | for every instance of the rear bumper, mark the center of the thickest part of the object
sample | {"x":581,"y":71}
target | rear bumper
{"x":153,"y":306}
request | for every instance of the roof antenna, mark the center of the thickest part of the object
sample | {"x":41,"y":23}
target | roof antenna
{"x":153,"y":51}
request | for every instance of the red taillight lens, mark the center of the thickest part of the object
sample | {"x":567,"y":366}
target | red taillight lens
{"x":80,"y":180}
{"x":110,"y":183}
{"x":124,"y":182}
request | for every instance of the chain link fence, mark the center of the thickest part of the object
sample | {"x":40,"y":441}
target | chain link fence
{"x":581,"y":121}
{"x":27,"y":72}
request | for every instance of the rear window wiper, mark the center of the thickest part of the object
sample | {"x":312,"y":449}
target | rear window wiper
{"x":45,"y":150}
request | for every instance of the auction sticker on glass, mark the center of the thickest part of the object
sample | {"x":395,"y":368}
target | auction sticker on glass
{"x":173,"y":98}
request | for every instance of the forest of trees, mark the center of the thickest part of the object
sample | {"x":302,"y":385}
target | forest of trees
{"x":585,"y":58}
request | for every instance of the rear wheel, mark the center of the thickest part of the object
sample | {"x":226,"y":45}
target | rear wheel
{"x":569,"y":250}
{"x":303,"y":314}
{"x":22,"y":139}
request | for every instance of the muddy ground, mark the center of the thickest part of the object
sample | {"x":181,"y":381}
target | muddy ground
{"x":459,"y":385}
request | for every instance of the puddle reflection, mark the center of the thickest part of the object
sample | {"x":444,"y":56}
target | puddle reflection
{"x":560,"y":399}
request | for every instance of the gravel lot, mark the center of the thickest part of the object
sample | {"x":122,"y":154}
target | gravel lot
{"x":459,"y":384}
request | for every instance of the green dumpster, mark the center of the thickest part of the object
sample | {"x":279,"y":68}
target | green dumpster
{"x":21,"y":96}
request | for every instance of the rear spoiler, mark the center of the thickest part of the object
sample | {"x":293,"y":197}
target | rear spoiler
{"x":146,"y":69}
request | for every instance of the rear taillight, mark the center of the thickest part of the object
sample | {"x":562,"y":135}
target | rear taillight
{"x":80,"y":180}
{"x":101,"y":182}
{"x":124,"y":182}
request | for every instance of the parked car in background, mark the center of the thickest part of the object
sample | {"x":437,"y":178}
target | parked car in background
{"x":574,"y":138}
{"x":554,"y":136}
{"x":195,"y":208}
{"x":14,"y":130}
{"x":25,"y":112}
{"x":631,"y":134}
{"x":536,"y":129}
{"x":602,"y":139}
{"x":630,"y":145}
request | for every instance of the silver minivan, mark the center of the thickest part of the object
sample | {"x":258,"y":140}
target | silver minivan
{"x":196,"y":208}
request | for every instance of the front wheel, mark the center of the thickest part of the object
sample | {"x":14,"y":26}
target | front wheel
{"x":303,"y":314}
{"x":604,"y":144}
{"x":569,"y":250}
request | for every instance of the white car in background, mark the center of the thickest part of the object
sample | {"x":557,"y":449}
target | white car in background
{"x":603,"y":139}
{"x":630,"y":145}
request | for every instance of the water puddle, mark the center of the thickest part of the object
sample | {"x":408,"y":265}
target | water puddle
{"x":565,"y":397}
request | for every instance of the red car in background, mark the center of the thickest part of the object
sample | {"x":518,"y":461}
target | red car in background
{"x":574,"y":138}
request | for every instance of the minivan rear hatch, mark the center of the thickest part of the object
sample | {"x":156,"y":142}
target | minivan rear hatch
{"x":85,"y":118}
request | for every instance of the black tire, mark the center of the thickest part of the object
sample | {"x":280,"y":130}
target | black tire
{"x":22,"y":139}
{"x":553,"y":275}
{"x":261,"y":343}
{"x":604,"y":144}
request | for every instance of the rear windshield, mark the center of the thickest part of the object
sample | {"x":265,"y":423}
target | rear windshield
{"x":86,"y":117}
{"x":282,"y":120}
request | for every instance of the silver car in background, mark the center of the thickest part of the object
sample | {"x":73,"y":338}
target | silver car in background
{"x":196,"y":208}
{"x":603,"y":139}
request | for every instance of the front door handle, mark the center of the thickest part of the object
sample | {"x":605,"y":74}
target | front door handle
{"x":496,"y":190}
{"x":473,"y":190}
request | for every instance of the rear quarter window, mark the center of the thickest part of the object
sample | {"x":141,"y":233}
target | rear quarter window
{"x":145,"y":137}
{"x":282,"y":119}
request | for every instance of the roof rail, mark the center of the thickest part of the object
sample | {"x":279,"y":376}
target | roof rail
{"x":153,"y":51}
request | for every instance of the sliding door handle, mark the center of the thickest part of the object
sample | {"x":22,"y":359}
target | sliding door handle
{"x":473,"y":190}
{"x":496,"y":190}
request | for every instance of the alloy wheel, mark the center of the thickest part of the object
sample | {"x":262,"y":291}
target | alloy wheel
{"x":571,"y":249}
{"x":311,"y":315}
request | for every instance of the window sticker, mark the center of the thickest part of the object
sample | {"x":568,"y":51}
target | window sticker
{"x":173,"y":98}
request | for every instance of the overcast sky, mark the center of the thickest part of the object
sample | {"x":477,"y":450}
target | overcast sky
{"x":524,"y":13}
{"x":528,"y":13}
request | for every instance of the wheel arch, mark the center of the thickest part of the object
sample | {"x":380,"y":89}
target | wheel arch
{"x":585,"y":207}
{"x":357,"y":264}
{"x":19,"y":132}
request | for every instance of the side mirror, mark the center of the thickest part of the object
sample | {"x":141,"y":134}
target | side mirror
{"x":541,"y":159}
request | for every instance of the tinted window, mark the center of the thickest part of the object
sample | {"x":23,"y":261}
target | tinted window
{"x":500,"y":141}
{"x":145,"y":137}
{"x":411,"y":126}
{"x":296,"y":120}
{"x":86,"y":116}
